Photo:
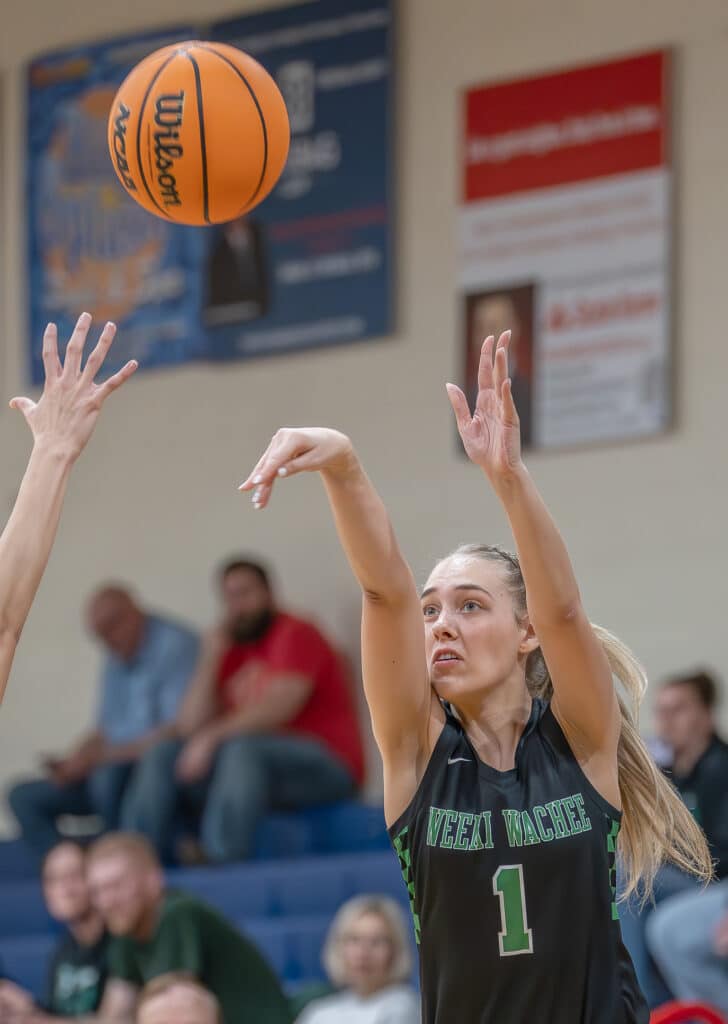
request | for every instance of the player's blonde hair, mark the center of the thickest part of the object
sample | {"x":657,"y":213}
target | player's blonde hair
{"x":656,"y":824}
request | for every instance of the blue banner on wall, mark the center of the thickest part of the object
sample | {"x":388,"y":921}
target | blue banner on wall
{"x":311,"y":266}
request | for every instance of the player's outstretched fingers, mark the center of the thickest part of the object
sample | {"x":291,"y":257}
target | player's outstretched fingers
{"x":51,"y":362}
{"x":485,"y":366}
{"x":115,"y":382}
{"x":96,"y":359}
{"x":74,"y":349}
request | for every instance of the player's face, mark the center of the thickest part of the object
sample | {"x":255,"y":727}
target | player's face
{"x":680,"y":717}
{"x":368,"y":950}
{"x":472,"y":637}
{"x":183,"y":1004}
{"x":64,"y":884}
{"x":124,"y":892}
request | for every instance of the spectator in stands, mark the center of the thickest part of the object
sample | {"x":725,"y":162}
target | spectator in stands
{"x":149,"y":663}
{"x":78,"y":970}
{"x":368,"y":955}
{"x":158,"y":931}
{"x":177,"y":998}
{"x":686,"y":725}
{"x":270,"y":721}
{"x":688,"y":938}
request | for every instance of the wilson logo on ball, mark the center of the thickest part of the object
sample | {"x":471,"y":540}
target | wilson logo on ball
{"x":198,"y":133}
{"x":168,"y":116}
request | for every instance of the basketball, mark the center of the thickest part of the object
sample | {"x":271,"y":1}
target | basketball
{"x":198,"y":133}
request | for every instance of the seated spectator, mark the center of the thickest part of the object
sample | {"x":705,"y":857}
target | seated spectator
{"x":685,"y":724}
{"x":177,"y":999}
{"x":149,"y":663}
{"x":78,"y":969}
{"x":158,"y":932}
{"x":368,"y":954}
{"x":271,"y":723}
{"x":688,"y":939}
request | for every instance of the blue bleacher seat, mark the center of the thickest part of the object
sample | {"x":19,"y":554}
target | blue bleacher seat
{"x":25,"y":959}
{"x":16,"y":861}
{"x":346,"y":827}
{"x":231,"y":889}
{"x":292,"y":945}
{"x":305,"y":939}
{"x":22,"y":910}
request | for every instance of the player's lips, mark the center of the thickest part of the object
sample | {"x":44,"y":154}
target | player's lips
{"x":444,"y":655}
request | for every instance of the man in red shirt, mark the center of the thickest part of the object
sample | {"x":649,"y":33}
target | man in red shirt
{"x":268,"y":722}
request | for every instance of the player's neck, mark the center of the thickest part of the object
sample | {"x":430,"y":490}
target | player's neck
{"x":495,"y":723}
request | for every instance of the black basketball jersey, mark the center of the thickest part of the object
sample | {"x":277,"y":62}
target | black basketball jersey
{"x":511,"y":877}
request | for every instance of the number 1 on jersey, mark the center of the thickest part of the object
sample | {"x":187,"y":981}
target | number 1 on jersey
{"x":515,"y":936}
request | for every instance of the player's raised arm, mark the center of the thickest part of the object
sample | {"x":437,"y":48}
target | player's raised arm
{"x":61,"y":422}
{"x":584,"y":697}
{"x":393,"y":655}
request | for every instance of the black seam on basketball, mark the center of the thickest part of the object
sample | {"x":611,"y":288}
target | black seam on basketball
{"x":157,"y":73}
{"x":203,"y":149}
{"x":254,"y":98}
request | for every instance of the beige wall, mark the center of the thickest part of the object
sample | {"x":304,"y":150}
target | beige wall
{"x":154,"y":498}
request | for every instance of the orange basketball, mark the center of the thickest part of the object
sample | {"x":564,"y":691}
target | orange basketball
{"x":198,"y":133}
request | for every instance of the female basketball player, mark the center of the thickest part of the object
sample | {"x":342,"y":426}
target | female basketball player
{"x":61,"y":421}
{"x":509,"y":759}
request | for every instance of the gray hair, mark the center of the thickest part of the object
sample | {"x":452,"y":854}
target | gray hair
{"x":390,"y":912}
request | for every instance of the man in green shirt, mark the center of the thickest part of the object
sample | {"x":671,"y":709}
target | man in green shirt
{"x":158,"y":931}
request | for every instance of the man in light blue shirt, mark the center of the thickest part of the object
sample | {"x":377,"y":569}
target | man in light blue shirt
{"x":148,"y":666}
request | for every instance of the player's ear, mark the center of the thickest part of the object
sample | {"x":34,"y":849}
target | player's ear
{"x":529,"y":641}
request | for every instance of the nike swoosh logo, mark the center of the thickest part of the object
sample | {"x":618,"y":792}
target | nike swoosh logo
{"x":454,"y":760}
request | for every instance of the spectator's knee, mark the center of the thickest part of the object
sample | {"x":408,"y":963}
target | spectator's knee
{"x":665,"y":932}
{"x":243,"y":750}
{"x":162,"y":756}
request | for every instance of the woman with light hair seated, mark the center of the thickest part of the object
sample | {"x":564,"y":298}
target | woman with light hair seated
{"x":368,"y":955}
{"x":177,"y":998}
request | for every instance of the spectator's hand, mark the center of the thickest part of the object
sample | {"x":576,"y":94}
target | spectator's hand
{"x":491,"y":435}
{"x":720,"y":937}
{"x":215,"y":643}
{"x":67,"y":770}
{"x":299,"y":450}
{"x":64,"y":417}
{"x":196,"y":757}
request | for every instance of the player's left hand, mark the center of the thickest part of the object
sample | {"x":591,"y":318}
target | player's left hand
{"x":492,"y":434}
{"x":65,"y":415}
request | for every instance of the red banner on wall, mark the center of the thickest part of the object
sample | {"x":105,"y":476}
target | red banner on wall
{"x":570,"y":126}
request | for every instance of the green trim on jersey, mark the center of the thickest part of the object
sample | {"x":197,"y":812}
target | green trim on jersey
{"x":612,"y":851}
{"x":405,"y":863}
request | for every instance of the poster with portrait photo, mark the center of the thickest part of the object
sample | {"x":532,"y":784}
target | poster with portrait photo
{"x":565,"y":229}
{"x":492,"y":312}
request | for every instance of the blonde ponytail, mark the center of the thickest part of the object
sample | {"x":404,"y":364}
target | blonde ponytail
{"x":656,"y":824}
